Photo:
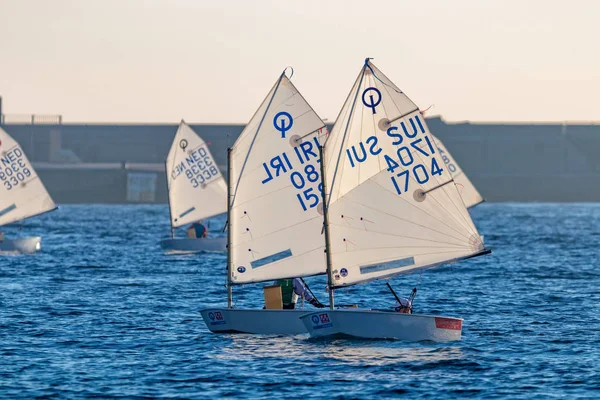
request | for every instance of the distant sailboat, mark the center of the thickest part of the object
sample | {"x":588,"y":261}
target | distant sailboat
{"x":197,"y":191}
{"x":275,"y":209}
{"x":471,"y":197}
{"x":22,"y":194}
{"x":391,"y":208}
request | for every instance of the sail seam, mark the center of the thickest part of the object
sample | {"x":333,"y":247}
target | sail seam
{"x":429,"y":266}
{"x":279,"y":230}
{"x":443,"y":250}
{"x":331,"y":188}
{"x":407,"y":202}
{"x":254,"y":139}
{"x":315,"y":131}
{"x":406,"y":237}
{"x":446,"y":210}
{"x":439,"y":186}
{"x":403,"y":115}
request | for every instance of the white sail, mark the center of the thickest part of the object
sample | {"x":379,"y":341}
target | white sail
{"x":467,"y":190}
{"x":276,"y":216}
{"x":22,"y":193}
{"x":393,"y":206}
{"x":197,"y":189}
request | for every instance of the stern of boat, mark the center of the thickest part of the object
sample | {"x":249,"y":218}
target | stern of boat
{"x":22,"y":245}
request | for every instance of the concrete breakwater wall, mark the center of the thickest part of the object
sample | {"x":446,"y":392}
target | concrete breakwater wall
{"x":124,"y":163}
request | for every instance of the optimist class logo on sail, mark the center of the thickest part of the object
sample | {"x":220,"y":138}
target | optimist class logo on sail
{"x":283,"y":128}
{"x":373,"y":101}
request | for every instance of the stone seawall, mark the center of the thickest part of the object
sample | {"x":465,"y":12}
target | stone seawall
{"x":124,"y":163}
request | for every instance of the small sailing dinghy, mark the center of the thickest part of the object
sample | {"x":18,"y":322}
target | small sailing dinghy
{"x":23,"y":195}
{"x":197,"y":191}
{"x":471,"y":197}
{"x":275,"y":209}
{"x":391,"y":208}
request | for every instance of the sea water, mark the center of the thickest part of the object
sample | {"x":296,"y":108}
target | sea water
{"x":102,"y":312}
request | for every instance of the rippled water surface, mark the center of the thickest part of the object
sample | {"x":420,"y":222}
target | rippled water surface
{"x":102,"y":312}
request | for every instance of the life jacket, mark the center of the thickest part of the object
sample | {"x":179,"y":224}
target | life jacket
{"x":197,"y":231}
{"x":287,"y":290}
{"x":200,"y":230}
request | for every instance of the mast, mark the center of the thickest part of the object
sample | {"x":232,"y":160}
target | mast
{"x":326,"y":223}
{"x":169,"y":197}
{"x":325,"y":199}
{"x":228,"y":226}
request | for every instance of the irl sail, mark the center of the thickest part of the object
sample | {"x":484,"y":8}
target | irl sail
{"x":471,"y":197}
{"x":22,"y":193}
{"x":393,"y":205}
{"x":197,"y":189}
{"x":276,"y":215}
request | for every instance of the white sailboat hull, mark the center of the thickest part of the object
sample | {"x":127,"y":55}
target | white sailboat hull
{"x":22,"y":245}
{"x":274,"y":322}
{"x":194,"y":245}
{"x":372,"y":324}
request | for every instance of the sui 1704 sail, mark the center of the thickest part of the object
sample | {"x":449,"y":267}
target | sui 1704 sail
{"x":392,"y":208}
{"x":393,"y":203}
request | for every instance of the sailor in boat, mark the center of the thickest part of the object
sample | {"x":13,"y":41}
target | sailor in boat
{"x":404,"y":306}
{"x":292,"y":289}
{"x":197,"y":231}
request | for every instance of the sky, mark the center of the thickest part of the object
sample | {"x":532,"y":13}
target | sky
{"x":154,"y":61}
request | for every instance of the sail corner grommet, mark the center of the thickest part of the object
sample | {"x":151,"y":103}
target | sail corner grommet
{"x":383,"y":124}
{"x":476,"y":242}
{"x":419,"y":195}
{"x":295,"y":140}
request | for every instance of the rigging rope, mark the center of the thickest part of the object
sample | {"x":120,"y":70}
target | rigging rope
{"x":376,"y":77}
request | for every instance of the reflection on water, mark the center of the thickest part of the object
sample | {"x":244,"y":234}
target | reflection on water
{"x":244,"y":347}
{"x":374,"y":353}
{"x":247,"y":346}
